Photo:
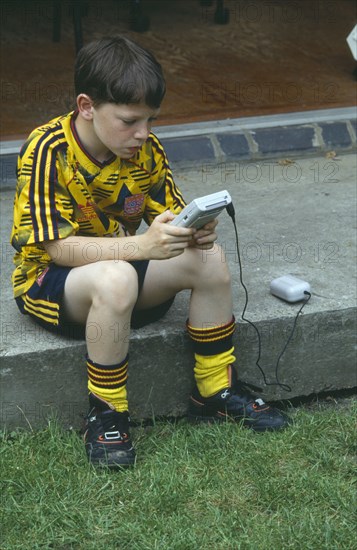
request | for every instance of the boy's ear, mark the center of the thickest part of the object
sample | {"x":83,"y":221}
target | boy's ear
{"x":85,"y":106}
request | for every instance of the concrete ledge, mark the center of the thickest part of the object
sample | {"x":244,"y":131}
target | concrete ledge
{"x":52,"y":378}
{"x":297,"y":218}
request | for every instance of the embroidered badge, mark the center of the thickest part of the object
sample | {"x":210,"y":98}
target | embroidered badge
{"x":133,"y":204}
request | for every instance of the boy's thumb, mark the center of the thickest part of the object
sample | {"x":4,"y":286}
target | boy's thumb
{"x":166,"y":216}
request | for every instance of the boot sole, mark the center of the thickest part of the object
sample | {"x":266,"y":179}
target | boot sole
{"x":112,"y":464}
{"x":194,"y":419}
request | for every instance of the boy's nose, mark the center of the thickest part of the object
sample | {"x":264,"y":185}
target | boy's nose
{"x":142,"y":132}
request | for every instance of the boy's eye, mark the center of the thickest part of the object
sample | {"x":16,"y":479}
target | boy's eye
{"x":131,"y":122}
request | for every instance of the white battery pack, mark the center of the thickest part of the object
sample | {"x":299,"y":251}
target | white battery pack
{"x":290,"y":288}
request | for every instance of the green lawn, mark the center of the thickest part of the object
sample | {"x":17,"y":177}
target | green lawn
{"x":216,"y":487}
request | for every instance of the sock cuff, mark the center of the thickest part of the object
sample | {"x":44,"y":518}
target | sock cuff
{"x":107,"y":376}
{"x":212,"y":340}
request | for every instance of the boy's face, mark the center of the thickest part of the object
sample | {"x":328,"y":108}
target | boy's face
{"x":122,"y":129}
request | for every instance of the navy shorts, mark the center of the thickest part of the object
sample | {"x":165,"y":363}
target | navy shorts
{"x":44,"y":302}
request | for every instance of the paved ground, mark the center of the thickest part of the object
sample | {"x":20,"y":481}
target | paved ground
{"x":295,"y":217}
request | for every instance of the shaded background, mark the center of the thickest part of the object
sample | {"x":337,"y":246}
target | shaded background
{"x":274,"y":56}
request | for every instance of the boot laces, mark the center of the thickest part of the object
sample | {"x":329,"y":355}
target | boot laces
{"x":244,"y":389}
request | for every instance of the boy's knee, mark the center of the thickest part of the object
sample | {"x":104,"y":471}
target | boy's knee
{"x":214,"y":256}
{"x":214,"y":262}
{"x":116,"y":285}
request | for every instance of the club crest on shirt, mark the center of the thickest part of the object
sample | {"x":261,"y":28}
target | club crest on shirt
{"x":133,"y":204}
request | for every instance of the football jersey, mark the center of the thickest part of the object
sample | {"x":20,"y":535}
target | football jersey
{"x":62,"y":191}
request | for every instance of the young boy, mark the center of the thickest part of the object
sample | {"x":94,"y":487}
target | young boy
{"x":86,"y":180}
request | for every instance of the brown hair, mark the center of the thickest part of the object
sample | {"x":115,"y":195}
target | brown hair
{"x":117,"y":70}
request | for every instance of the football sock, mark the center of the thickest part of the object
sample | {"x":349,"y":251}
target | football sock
{"x":213,"y":356}
{"x":109,"y":383}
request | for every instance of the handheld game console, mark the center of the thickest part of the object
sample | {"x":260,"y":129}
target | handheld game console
{"x":202,"y":210}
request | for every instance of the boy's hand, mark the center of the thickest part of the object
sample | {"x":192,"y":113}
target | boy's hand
{"x":205,"y":237}
{"x":162,"y":240}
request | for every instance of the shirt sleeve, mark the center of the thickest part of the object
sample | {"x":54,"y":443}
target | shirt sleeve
{"x":43,"y":209}
{"x":163,"y":193}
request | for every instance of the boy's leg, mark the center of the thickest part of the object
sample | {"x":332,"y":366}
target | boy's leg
{"x":211,"y":326}
{"x":205,"y":272}
{"x":102,"y":296}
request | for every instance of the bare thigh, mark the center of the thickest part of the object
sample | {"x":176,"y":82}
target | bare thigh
{"x":194,"y":269}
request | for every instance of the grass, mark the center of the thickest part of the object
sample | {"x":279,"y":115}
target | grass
{"x":193,"y":488}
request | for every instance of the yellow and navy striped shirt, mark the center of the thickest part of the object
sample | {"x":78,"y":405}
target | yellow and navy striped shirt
{"x":62,"y":191}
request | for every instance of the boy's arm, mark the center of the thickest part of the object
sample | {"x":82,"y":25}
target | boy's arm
{"x":161,"y":241}
{"x":164,"y":194}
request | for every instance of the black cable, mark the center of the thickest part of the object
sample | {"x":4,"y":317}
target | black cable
{"x":288,"y":340}
{"x":231,"y":213}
